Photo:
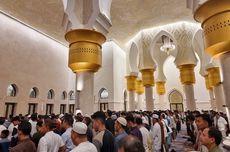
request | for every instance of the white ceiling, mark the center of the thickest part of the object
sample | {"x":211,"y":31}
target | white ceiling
{"x":128,"y":16}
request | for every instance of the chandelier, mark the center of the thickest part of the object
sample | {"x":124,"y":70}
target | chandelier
{"x":168,"y":45}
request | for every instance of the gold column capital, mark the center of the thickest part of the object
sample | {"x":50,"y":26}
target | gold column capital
{"x":187,"y":75}
{"x":214,"y":16}
{"x":147,"y":77}
{"x":207,"y":83}
{"x":85,"y":50}
{"x":131,"y":82}
{"x":214,"y":76}
{"x":139,"y":87}
{"x":160,"y":87}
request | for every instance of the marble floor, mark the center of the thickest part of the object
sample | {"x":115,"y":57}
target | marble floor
{"x":181,"y":143}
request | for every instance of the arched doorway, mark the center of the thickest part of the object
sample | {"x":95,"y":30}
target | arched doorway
{"x":103,"y":95}
{"x":176,"y":100}
{"x":32,"y":105}
{"x":10,"y":105}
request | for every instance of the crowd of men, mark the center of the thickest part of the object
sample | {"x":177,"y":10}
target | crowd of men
{"x":136,"y":131}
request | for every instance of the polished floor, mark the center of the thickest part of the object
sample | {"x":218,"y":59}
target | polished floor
{"x":181,"y":144}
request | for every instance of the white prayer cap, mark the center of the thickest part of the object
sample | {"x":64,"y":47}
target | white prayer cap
{"x":144,"y":121}
{"x":80,"y":128}
{"x":114,"y":117}
{"x":60,"y":116}
{"x":122,"y":121}
{"x":155,"y":116}
{"x":86,"y":115}
{"x":78,"y":111}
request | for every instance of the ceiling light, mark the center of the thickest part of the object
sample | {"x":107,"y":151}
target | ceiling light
{"x":167,"y":46}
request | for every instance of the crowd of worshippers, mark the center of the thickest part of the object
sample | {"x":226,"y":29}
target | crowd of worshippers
{"x":136,"y":131}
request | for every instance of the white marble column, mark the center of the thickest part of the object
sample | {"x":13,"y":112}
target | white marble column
{"x":86,"y":97}
{"x":149,"y":98}
{"x":139,"y":102}
{"x":212,"y":100}
{"x":161,"y":102}
{"x":190,"y":98}
{"x":219,"y":95}
{"x":131,"y":103}
{"x":225,"y":62}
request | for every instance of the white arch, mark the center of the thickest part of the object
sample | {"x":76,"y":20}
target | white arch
{"x":133,"y":56}
{"x":103,"y":93}
{"x":51,"y":94}
{"x":64,"y":95}
{"x":12,"y":90}
{"x":158,"y":35}
{"x":34,"y":92}
{"x":198,"y":47}
{"x":175,"y":91}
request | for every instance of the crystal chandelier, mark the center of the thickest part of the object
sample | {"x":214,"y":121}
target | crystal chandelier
{"x":167,"y":46}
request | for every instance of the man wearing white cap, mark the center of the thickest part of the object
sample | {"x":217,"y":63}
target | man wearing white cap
{"x":79,"y":139}
{"x":156,"y":133}
{"x":120,"y":133}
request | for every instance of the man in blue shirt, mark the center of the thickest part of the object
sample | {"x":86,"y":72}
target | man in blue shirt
{"x":120,"y":125}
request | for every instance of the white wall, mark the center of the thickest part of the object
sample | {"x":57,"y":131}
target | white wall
{"x":30,"y":59}
{"x":119,"y":71}
{"x":111,"y":75}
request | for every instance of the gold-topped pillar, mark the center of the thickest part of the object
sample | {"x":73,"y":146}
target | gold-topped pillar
{"x":214,"y":15}
{"x":85,"y":58}
{"x":187,"y":78}
{"x":139,"y":90}
{"x":148,"y":82}
{"x":211,"y":93}
{"x":131,"y":87}
{"x":215,"y":83}
{"x":85,"y":34}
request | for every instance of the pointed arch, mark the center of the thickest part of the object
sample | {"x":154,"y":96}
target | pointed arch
{"x":157,"y":36}
{"x":34,"y":92}
{"x":12,"y":90}
{"x":133,"y":58}
{"x":51,"y":94}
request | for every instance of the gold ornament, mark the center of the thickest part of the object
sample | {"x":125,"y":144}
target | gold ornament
{"x":85,"y":50}
{"x":139,"y":87}
{"x":187,"y":75}
{"x":214,"y":76}
{"x":207,"y":83}
{"x":131,"y":82}
{"x":147,"y":77}
{"x":215,"y":18}
{"x":160,"y":87}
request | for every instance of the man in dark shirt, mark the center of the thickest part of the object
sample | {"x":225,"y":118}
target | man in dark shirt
{"x":109,"y":123}
{"x":38,"y":135}
{"x":104,"y":140}
{"x":25,"y":144}
{"x":134,"y":130}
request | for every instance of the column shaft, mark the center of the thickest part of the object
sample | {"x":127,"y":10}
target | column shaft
{"x":139,"y":102}
{"x":86,"y":97}
{"x":212,"y":100}
{"x":219,"y":94}
{"x":149,"y":98}
{"x":161,"y":102}
{"x":131,"y":103}
{"x":225,"y":62}
{"x":189,"y":94}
